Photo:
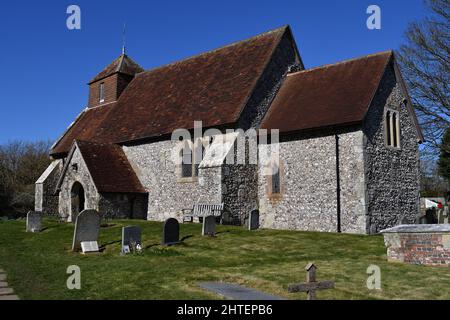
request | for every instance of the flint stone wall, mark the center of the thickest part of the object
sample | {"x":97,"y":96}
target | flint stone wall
{"x":308,"y":199}
{"x":392,"y":175}
{"x":168,"y":194}
{"x":123,"y":205}
{"x":45,"y":199}
{"x":82,"y":176}
{"x":283,"y":58}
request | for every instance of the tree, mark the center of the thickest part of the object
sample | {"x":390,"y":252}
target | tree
{"x":425,"y":62}
{"x":444,"y":159}
{"x":21,"y":164}
{"x":431,"y":183}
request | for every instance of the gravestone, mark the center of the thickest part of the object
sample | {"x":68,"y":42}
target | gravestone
{"x":423,"y":220}
{"x":441,"y":216}
{"x":131,"y":235}
{"x":253,"y":222}
{"x":431,"y":216}
{"x":209,"y":226}
{"x":171,"y":232}
{"x":87,"y":228}
{"x":34,"y":221}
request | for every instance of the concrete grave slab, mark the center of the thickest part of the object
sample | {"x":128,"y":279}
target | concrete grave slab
{"x":89,"y":246}
{"x":236,"y":292}
{"x":9,"y":297}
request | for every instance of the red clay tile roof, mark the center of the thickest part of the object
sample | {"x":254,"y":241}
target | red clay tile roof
{"x":109,"y":168}
{"x":123,"y":64}
{"x":330,"y":95}
{"x":85,"y":127}
{"x":212,"y":87}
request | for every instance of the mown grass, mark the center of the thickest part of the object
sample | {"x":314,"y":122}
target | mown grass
{"x":266,"y":260}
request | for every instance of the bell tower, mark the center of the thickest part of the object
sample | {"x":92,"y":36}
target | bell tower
{"x":107,"y":86}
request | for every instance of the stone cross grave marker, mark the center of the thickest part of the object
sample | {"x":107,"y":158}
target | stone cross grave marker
{"x":87,"y":228}
{"x":311,"y":285}
{"x":171,"y":232}
{"x":253,"y":221}
{"x":34,"y":221}
{"x":209,"y":226}
{"x":131,"y":235}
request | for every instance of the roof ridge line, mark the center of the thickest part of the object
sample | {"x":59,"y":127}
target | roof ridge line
{"x":119,"y":65}
{"x":214,"y":50}
{"x":341,"y":62}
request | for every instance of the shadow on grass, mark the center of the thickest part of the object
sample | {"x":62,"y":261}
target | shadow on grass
{"x":226,"y":231}
{"x":186,"y":237}
{"x":152,"y":245}
{"x":107,"y":225}
{"x":47,"y":228}
{"x":103,"y":246}
{"x":170,"y":245}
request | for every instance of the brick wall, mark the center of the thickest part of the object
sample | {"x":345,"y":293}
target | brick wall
{"x":113,"y":86}
{"x":431,"y":248}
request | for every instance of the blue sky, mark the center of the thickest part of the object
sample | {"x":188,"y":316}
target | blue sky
{"x":46,"y":67}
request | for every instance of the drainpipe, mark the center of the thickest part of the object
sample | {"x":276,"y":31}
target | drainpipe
{"x":338,"y":186}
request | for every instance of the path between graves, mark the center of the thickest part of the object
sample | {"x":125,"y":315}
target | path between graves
{"x":237,"y":292}
{"x":6,"y":293}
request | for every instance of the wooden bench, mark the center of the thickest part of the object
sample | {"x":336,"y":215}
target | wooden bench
{"x":201,"y":210}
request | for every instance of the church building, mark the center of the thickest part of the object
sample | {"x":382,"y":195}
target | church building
{"x":347,"y":141}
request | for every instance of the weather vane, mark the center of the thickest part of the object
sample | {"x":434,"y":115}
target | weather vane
{"x":123,"y":37}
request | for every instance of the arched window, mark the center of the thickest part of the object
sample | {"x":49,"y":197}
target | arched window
{"x":392,"y":128}
{"x":387,"y":122}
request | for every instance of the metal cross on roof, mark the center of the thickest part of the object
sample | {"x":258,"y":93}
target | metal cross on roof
{"x":311,"y":284}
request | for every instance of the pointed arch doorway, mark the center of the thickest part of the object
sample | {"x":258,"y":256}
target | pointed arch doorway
{"x":77,"y":200}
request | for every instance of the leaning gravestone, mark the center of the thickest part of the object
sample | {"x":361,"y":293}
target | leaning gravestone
{"x":209,"y":226}
{"x":130,"y":235}
{"x":253,"y":222}
{"x":87,"y":228}
{"x":34,"y":221}
{"x":171,"y":232}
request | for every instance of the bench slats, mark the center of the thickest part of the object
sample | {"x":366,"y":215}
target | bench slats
{"x":204,"y":209}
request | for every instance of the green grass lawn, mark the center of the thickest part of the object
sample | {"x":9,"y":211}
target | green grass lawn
{"x":267,"y":260}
